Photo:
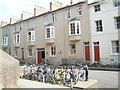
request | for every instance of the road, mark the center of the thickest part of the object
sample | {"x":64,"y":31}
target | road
{"x":105,"y":79}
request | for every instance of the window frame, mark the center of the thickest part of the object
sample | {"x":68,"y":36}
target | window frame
{"x":75,"y":50}
{"x":117,"y":23}
{"x":16,"y":38}
{"x":79,"y":9}
{"x":97,"y":8}
{"x":68,"y":12}
{"x":75,"y":22}
{"x":54,"y":17}
{"x":30,"y":55}
{"x":114,"y":47}
{"x":31,"y":37}
{"x":116,"y":3}
{"x":52,"y":32}
{"x":5,"y":40}
{"x":54,"y":51}
{"x":98,"y":27}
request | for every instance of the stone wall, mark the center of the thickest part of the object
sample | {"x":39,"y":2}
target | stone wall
{"x":9,"y":71}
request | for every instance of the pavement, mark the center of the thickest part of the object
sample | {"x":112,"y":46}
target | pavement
{"x":34,"y":84}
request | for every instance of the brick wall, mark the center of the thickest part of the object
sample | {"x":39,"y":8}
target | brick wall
{"x":9,"y":71}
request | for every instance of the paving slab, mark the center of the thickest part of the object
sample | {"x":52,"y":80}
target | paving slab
{"x":86,"y":84}
{"x":34,"y":84}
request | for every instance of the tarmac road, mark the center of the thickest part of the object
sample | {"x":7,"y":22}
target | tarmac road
{"x":105,"y":79}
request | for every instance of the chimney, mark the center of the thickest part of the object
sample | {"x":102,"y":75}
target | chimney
{"x":3,"y":23}
{"x":13,"y":20}
{"x":55,"y":5}
{"x":25,"y":15}
{"x":75,"y":1}
{"x":39,"y":10}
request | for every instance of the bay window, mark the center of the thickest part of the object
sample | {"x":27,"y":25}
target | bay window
{"x":31,"y":36}
{"x":74,"y":28}
{"x":50,"y":32}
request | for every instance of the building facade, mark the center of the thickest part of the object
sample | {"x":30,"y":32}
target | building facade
{"x":6,"y":38}
{"x":0,"y":37}
{"x":105,"y":27}
{"x":80,"y":31}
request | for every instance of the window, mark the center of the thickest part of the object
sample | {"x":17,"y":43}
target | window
{"x":117,"y":22}
{"x":45,"y":19}
{"x":72,"y":49}
{"x":97,"y":8}
{"x":68,"y":13}
{"x":99,"y":27}
{"x":116,"y":3}
{"x":20,"y":28}
{"x":115,"y":47}
{"x":54,"y":17}
{"x":5,"y":40}
{"x":74,"y":28}
{"x":15,"y":53}
{"x":79,"y":10}
{"x":30,"y":52}
{"x":17,"y":38}
{"x":31,"y":36}
{"x":53,"y":51}
{"x":50,"y":32}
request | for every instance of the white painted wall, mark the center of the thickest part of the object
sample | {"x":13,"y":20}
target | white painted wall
{"x":107,"y":14}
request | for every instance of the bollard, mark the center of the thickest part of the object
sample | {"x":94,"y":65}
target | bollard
{"x":43,"y":81}
{"x":71,"y":84}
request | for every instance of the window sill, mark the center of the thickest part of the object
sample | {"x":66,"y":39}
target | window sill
{"x":53,"y":56}
{"x":115,"y":54}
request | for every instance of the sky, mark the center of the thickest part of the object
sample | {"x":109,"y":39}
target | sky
{"x":11,"y":8}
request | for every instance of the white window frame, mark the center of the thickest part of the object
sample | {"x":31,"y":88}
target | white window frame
{"x":17,"y":40}
{"x":79,"y":10}
{"x":97,"y":8}
{"x":116,"y":3}
{"x":114,"y":47}
{"x":54,"y":17}
{"x":117,"y":23}
{"x":30,"y":49}
{"x":54,"y":51}
{"x":76,"y":22}
{"x":45,"y":19}
{"x":52,"y":32}
{"x":15,"y":53}
{"x":32,"y":37}
{"x":5,"y":40}
{"x":68,"y":12}
{"x":70,"y":48}
{"x":99,"y":26}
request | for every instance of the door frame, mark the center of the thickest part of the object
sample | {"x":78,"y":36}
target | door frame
{"x":85,"y":53}
{"x":94,"y":53}
{"x":38,"y":49}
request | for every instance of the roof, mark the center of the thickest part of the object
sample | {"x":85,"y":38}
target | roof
{"x":50,"y":12}
{"x":96,"y":2}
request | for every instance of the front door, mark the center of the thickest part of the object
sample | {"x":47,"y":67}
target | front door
{"x":23,"y":54}
{"x":40,"y":55}
{"x":87,"y":53}
{"x":96,"y":53}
